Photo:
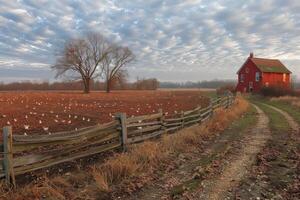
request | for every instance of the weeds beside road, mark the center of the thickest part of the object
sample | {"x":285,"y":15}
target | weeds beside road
{"x":276,"y":173}
{"x":126,"y":173}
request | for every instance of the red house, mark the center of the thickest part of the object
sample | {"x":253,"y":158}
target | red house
{"x":256,"y":73}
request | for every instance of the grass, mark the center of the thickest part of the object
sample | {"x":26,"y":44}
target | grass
{"x":275,"y":169}
{"x":149,"y":156}
{"x":277,"y":124}
{"x":222,"y":145}
{"x":289,"y":104}
{"x":141,"y":160}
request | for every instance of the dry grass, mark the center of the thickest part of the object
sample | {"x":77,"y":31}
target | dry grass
{"x":140,"y":160}
{"x":295,"y":101}
{"x":144,"y":157}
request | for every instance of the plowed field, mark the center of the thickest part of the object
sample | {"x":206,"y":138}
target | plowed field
{"x":48,"y":112}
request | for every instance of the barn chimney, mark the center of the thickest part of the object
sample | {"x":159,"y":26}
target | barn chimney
{"x":251,"y":55}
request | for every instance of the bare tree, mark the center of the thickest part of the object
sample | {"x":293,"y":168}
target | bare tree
{"x":113,"y":63}
{"x":81,"y":58}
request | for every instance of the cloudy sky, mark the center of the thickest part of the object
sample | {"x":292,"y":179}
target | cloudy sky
{"x":173,"y":40}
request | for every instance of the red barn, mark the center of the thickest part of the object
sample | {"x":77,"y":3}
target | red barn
{"x":256,"y":73}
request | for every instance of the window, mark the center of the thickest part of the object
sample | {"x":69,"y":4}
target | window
{"x":257,"y":76}
{"x":284,"y":77}
{"x":242,"y":78}
{"x":267,"y":84}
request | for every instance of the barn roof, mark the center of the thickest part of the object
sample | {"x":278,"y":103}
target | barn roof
{"x":270,"y":65}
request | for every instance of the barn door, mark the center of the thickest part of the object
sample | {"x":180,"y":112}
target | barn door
{"x":250,"y":86}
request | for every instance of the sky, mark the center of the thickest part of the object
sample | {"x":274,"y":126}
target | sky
{"x":173,"y":40}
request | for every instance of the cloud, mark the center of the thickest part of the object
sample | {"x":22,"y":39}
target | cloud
{"x":172,"y":39}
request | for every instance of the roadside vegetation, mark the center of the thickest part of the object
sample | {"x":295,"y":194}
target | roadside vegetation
{"x":276,"y":172}
{"x":289,"y":104}
{"x":123,"y":173}
{"x":208,"y":165}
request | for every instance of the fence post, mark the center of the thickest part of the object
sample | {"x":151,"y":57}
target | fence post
{"x":8,"y":156}
{"x":211,"y":110}
{"x":122,"y":118}
{"x":199,"y":113}
{"x":182,"y":120}
{"x":226,"y":101}
{"x":162,"y":120}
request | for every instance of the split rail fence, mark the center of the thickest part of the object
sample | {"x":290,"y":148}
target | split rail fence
{"x":20,"y":154}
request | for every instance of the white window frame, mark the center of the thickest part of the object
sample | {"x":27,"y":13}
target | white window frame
{"x":257,"y":76}
{"x":242,"y":77}
{"x":284,"y":77}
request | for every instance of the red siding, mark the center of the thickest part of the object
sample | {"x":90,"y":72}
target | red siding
{"x":276,"y":79}
{"x":249,"y":77}
{"x":249,"y":70}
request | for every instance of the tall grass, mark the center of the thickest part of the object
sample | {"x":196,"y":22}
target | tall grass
{"x":141,"y":159}
{"x":144,"y":157}
{"x":295,"y":101}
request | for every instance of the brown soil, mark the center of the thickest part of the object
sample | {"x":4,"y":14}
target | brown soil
{"x":239,"y":164}
{"x":61,"y":111}
{"x":227,"y":157}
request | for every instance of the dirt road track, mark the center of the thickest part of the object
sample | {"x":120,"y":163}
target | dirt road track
{"x":238,"y":165}
{"x":292,"y":123}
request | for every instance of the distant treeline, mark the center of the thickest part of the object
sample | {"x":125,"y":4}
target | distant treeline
{"x":140,"y":84}
{"x":199,"y":84}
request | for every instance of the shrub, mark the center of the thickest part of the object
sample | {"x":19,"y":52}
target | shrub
{"x":223,"y":89}
{"x":276,"y":91}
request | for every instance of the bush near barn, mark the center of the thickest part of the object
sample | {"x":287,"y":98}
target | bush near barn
{"x":221,"y":90}
{"x":275,"y":91}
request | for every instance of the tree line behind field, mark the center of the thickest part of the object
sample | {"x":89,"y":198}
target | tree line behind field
{"x":117,"y":84}
{"x":199,"y":84}
{"x":140,"y":84}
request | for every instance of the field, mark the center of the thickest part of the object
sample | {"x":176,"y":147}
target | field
{"x":48,"y":112}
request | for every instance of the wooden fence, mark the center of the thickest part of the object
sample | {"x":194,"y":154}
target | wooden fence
{"x":22,"y":154}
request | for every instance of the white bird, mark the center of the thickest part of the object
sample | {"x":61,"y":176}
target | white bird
{"x":88,"y":119}
{"x":56,"y":120}
{"x":83,"y":118}
{"x":15,"y":120}
{"x":40,"y":121}
{"x":46,"y":128}
{"x":26,"y":127}
{"x":26,"y":116}
{"x":139,"y":127}
{"x":3,"y":116}
{"x":25,"y":134}
{"x":8,"y":123}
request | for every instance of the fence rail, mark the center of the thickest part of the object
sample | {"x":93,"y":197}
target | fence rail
{"x":21,"y":154}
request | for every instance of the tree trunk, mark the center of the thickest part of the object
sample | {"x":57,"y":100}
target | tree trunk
{"x":86,"y":85}
{"x":107,"y":86}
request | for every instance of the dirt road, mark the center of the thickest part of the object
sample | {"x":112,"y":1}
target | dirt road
{"x":239,"y":164}
{"x":225,"y":166}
